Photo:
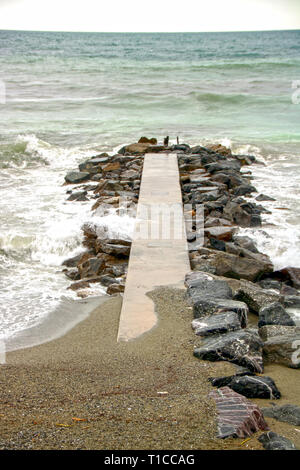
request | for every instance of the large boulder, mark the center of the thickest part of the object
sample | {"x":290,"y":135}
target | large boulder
{"x":267,"y":332}
{"x":223,"y":166}
{"x":240,"y":347}
{"x":238,"y":267}
{"x":75,"y":177}
{"x":203,"y":306}
{"x":216,"y":324}
{"x":255,"y":387}
{"x":237,"y":416}
{"x":274,"y":314}
{"x":254,"y":296}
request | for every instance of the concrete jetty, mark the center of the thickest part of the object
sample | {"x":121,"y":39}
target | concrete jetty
{"x":159,"y":252}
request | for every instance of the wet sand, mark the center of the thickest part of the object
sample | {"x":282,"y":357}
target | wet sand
{"x":150,"y":393}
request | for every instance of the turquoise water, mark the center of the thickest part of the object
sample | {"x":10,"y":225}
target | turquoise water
{"x":106,"y":88}
{"x":70,"y":95}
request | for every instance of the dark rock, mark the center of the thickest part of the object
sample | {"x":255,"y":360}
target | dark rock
{"x":285,"y":413}
{"x":292,"y":301}
{"x":78,"y":196}
{"x":216,"y":324}
{"x":72,"y":274}
{"x":220,"y":233}
{"x":224,"y":381}
{"x":273,"y":441}
{"x":289,"y":275}
{"x":264,"y":197}
{"x":254,"y":296}
{"x":238,"y":267}
{"x":274,"y":314}
{"x":237,"y":416}
{"x":115,"y":289}
{"x":245,"y":242}
{"x":240,"y":347}
{"x":287,"y":290}
{"x":75,"y":177}
{"x":244,"y":189}
{"x":255,"y":387}
{"x":222,"y":166}
{"x":206,"y":286}
{"x":73,"y":262}
{"x":217,"y":244}
{"x":116,"y":249}
{"x":270,"y":284}
{"x":107,"y":280}
{"x":91,"y":267}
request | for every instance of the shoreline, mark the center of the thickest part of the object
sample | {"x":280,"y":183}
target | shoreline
{"x":211,"y":177}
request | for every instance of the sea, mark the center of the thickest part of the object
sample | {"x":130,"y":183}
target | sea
{"x":67,"y":96}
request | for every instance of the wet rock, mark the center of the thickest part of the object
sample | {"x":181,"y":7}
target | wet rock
{"x":72,"y":274}
{"x":254,"y":296}
{"x":254,"y":387}
{"x":224,"y":381}
{"x":264,"y":197}
{"x":237,"y":416}
{"x":75,"y":177}
{"x":146,"y":140}
{"x":113,"y":247}
{"x":79,"y":285}
{"x":137,"y":149}
{"x":115,"y":289}
{"x":240,"y":347}
{"x":91,"y":267}
{"x":289,"y":275}
{"x":270,"y":284}
{"x":78,"y":196}
{"x":206,"y":285}
{"x":245,"y":242}
{"x":285,"y":413}
{"x":217,"y":244}
{"x":238,"y":267}
{"x":220,"y":233}
{"x":273,"y":441}
{"x":291,"y":301}
{"x":274,"y":314}
{"x":73,"y":262}
{"x":287,"y":290}
{"x":216,"y":324}
{"x":220,"y":149}
{"x":107,"y":280}
{"x":222,"y":166}
{"x":270,"y":331}
{"x":244,"y":189}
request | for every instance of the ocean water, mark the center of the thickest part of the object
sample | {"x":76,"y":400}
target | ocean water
{"x":67,"y":96}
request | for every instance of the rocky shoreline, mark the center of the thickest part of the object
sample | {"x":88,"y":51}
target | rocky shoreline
{"x":230,"y":280}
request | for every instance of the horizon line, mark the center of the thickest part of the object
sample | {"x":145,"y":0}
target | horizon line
{"x":149,"y":32}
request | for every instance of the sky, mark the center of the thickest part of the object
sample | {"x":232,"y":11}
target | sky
{"x":149,"y":15}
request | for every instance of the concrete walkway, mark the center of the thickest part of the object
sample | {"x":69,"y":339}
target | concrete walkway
{"x":159,"y":252}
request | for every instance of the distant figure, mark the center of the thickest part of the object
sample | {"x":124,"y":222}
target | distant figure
{"x":177,"y":140}
{"x":166,"y":141}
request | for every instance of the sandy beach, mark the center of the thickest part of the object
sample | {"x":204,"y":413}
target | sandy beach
{"x":86,"y":391}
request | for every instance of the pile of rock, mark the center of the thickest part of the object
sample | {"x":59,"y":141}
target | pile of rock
{"x":112,"y":182}
{"x":231,"y":278}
